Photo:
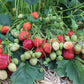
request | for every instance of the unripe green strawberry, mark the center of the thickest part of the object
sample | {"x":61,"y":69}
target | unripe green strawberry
{"x":27,"y":55}
{"x":18,"y":27}
{"x":61,"y":24}
{"x":33,"y":55}
{"x":41,"y":69}
{"x":53,"y":56}
{"x":33,"y":61}
{"x":59,"y":19}
{"x":22,"y":58}
{"x":82,"y":45}
{"x":16,"y":40}
{"x":67,"y":38}
{"x":37,"y":54}
{"x":59,"y":52}
{"x":15,"y":33}
{"x":12,"y":67}
{"x":56,"y":24}
{"x":74,"y":38}
{"x":54,"y":17}
{"x":59,"y":58}
{"x":10,"y":45}
{"x":14,"y":47}
{"x":47,"y":19}
{"x":61,"y":45}
{"x":78,"y":47}
{"x":41,"y":19}
{"x":82,"y":51}
{"x":15,"y":61}
{"x":30,"y":52}
{"x":47,"y":60}
{"x":55,"y":45}
{"x":20,"y":16}
{"x":68,"y":45}
{"x":3,"y":75}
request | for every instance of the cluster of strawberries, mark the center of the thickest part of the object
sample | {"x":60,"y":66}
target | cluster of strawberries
{"x":59,"y":47}
{"x":6,"y":64}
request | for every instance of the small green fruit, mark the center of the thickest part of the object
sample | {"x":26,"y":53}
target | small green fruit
{"x":55,"y":45}
{"x":78,"y":48}
{"x":12,"y":67}
{"x":82,"y":51}
{"x":38,"y":54}
{"x":54,"y":17}
{"x":47,"y":19}
{"x":27,"y":55}
{"x":59,"y":52}
{"x":33,"y":55}
{"x":41,"y":69}
{"x":47,"y":60}
{"x":22,"y":58}
{"x":15,"y":60}
{"x":59,"y":58}
{"x":74,"y":38}
{"x":33,"y":61}
{"x":53,"y":56}
{"x":16,"y":40}
{"x":67,"y":38}
{"x":3,"y":75}
{"x":61,"y":45}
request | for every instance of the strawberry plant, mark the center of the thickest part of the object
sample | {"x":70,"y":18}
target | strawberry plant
{"x":34,"y":35}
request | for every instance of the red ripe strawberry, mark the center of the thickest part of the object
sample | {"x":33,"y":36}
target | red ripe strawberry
{"x":10,"y":73}
{"x":0,"y":40}
{"x":61,"y":38}
{"x":34,"y":15}
{"x":40,"y":49}
{"x":26,"y":26}
{"x":28,"y":44}
{"x":68,"y":54}
{"x":82,"y":56}
{"x":44,"y":41}
{"x":70,"y":33}
{"x":38,"y":42}
{"x":68,"y":45}
{"x":52,"y":40}
{"x":77,"y":52}
{"x":23,"y":35}
{"x":1,"y":50}
{"x":4,"y":61}
{"x":5,"y":29}
{"x":47,"y":48}
{"x":1,"y":46}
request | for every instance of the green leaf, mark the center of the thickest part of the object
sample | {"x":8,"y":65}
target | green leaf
{"x":61,"y":67}
{"x":74,"y":3}
{"x":52,"y":65}
{"x":5,"y":20}
{"x":31,"y":2}
{"x":32,"y":19}
{"x":2,"y":37}
{"x":9,"y":36}
{"x":27,"y":74}
{"x":64,"y":2}
{"x":72,"y":69}
{"x":9,"y":0}
{"x":74,"y":25}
